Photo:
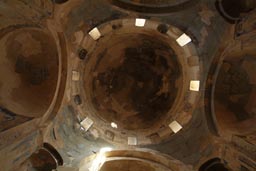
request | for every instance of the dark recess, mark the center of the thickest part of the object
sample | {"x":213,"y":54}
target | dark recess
{"x":59,"y":1}
{"x":54,"y":152}
{"x":231,"y":10}
{"x":154,"y":10}
{"x":82,"y":54}
{"x":162,"y":28}
{"x":77,"y":100}
{"x":213,"y":165}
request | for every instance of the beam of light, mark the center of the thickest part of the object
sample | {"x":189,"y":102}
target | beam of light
{"x":95,"y":33}
{"x":99,"y":159}
{"x":113,"y":125}
{"x":175,"y":126}
{"x":183,"y":40}
{"x":194,"y":85}
{"x":140,"y":22}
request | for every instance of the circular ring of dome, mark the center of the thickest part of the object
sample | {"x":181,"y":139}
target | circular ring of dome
{"x":185,"y":99}
{"x":154,"y":7}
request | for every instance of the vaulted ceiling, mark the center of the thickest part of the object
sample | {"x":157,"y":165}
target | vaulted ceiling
{"x":128,"y":85}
